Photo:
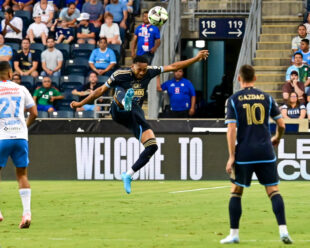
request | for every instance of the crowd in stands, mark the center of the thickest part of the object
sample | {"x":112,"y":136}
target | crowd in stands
{"x":61,"y":50}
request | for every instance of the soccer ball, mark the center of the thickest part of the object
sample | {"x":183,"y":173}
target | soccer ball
{"x":158,"y":16}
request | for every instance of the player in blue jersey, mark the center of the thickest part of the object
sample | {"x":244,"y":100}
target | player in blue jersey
{"x":14,"y":99}
{"x":130,"y":89}
{"x":249,"y":110}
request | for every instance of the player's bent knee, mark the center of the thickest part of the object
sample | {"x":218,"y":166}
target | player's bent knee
{"x":271,"y":189}
{"x":236,"y":189}
{"x":150,"y":146}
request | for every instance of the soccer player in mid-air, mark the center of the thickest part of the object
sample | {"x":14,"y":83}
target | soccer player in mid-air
{"x":130,"y":88}
{"x":249,"y":110}
{"x":14,"y":99}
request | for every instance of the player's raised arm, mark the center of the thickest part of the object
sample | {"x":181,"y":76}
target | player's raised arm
{"x":203,"y":54}
{"x":94,"y":95}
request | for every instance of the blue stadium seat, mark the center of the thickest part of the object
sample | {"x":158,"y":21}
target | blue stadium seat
{"x":102,"y":79}
{"x":81,"y":50}
{"x":68,"y":83}
{"x":117,"y":50}
{"x":84,"y":114}
{"x":65,"y":49}
{"x":38,"y":81}
{"x":26,"y":17}
{"x":78,"y":66}
{"x":15,"y":46}
{"x":42,"y":114}
{"x":28,"y":82}
{"x":38,"y":47}
{"x":62,"y":114}
{"x":63,"y":104}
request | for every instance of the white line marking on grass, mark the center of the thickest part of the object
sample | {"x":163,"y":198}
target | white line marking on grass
{"x":200,"y":189}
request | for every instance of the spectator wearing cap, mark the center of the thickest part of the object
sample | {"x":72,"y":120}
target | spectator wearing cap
{"x":6,"y":52}
{"x":95,"y":10}
{"x":4,"y":4}
{"x":25,"y":5}
{"x":63,"y":33}
{"x":26,"y":60}
{"x":37,"y":30}
{"x":102,"y":60}
{"x":46,"y":11}
{"x":110,"y":30}
{"x":303,"y":70}
{"x":293,"y":85}
{"x":302,"y":34}
{"x":12,"y":27}
{"x":70,"y":15}
{"x":51,"y":59}
{"x":86,"y":30}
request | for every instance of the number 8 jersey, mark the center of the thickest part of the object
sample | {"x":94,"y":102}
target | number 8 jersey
{"x":14,"y":99}
{"x":251,"y":109}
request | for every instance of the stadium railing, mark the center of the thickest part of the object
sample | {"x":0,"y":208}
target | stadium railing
{"x":250,"y":39}
{"x":165,"y":55}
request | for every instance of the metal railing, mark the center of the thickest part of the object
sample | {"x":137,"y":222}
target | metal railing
{"x":250,"y":39}
{"x":170,"y":35}
{"x":104,"y":107}
{"x":218,"y":7}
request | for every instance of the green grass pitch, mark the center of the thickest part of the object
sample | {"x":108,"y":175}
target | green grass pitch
{"x":100,"y":214}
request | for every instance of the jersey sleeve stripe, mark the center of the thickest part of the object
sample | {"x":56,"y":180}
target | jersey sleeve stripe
{"x":106,"y":84}
{"x":161,"y":68}
{"x":277,"y":117}
{"x":230,"y":121}
{"x":233,"y":105}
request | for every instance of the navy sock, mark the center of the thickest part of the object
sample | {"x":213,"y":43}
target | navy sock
{"x":235,"y":210}
{"x":150,"y":148}
{"x":278,"y":207}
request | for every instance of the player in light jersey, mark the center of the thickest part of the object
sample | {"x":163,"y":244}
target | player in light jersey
{"x":14,"y":99}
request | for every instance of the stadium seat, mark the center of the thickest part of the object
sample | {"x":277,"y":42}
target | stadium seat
{"x":15,"y":46}
{"x":38,"y":47}
{"x":63,"y":104}
{"x":84,"y":114}
{"x":28,"y":82}
{"x":42,"y":114}
{"x":68,"y":83}
{"x":62,"y":114}
{"x":65,"y":49}
{"x":26,"y":17}
{"x":117,"y":51}
{"x":102,"y":79}
{"x":78,"y":66}
{"x":81,"y":50}
{"x":38,"y":81}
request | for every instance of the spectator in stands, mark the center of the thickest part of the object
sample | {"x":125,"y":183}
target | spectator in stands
{"x":25,"y":5}
{"x":46,"y":11}
{"x":87,"y":89}
{"x":293,"y":109}
{"x":16,"y":78}
{"x":12,"y":27}
{"x":46,"y":95}
{"x":182,"y":95}
{"x":4,"y":4}
{"x":6,"y":52}
{"x":95,"y":10}
{"x":78,"y":3}
{"x":37,"y":30}
{"x":63,"y":34}
{"x":304,"y":50}
{"x":146,"y":39}
{"x":86,"y":30}
{"x":294,"y":86}
{"x":102,"y":60}
{"x":302,"y":34}
{"x":110,"y":30}
{"x":129,"y":4}
{"x":120,"y":15}
{"x":52,"y":59}
{"x":70,"y":15}
{"x":26,"y":61}
{"x":307,"y":24}
{"x":303,"y":70}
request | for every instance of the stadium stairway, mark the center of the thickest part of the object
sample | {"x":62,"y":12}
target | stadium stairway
{"x":280,"y":19}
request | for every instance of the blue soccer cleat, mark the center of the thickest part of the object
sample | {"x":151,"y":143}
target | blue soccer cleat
{"x":127,"y":182}
{"x":128,"y":99}
{"x":286,"y":239}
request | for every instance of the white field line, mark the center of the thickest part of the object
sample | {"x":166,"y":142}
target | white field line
{"x":200,"y":189}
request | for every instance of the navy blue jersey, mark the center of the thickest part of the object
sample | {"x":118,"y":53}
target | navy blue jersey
{"x":251,"y":109}
{"x":126,"y":80}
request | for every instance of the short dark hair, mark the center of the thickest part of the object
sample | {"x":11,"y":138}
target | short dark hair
{"x":305,"y":40}
{"x":47,"y":77}
{"x":301,"y":25}
{"x":9,"y":11}
{"x":71,"y":4}
{"x":298,"y":53}
{"x":4,"y":66}
{"x":140,"y":59}
{"x":247,"y":73}
{"x":103,"y":38}
{"x":294,"y":72}
{"x":15,"y":74}
{"x":50,"y":38}
{"x":93,"y":72}
{"x":27,"y":39}
{"x":145,"y":12}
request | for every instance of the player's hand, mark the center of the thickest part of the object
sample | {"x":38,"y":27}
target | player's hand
{"x":275,"y":141}
{"x":52,"y":99}
{"x":191,"y":112}
{"x":229,"y":165}
{"x":75,"y":104}
{"x":203,"y":54}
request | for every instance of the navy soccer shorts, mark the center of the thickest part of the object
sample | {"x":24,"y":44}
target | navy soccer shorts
{"x":266,"y":174}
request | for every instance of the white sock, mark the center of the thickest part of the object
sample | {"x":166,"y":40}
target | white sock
{"x":130,"y":172}
{"x":234,"y":232}
{"x":25,"y":195}
{"x":123,"y":101}
{"x":283,"y":229}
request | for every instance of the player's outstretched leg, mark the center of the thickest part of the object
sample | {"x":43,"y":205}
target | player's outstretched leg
{"x":279,"y":211}
{"x":235,"y":212}
{"x":25,"y":195}
{"x":150,"y":149}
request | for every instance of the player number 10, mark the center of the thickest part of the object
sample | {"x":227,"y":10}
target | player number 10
{"x":250,"y":113}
